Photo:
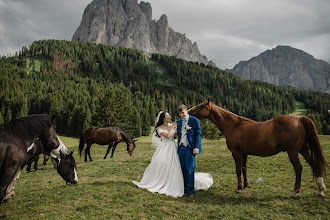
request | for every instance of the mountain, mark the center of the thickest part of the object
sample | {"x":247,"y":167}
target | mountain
{"x":288,"y":66}
{"x":129,"y":24}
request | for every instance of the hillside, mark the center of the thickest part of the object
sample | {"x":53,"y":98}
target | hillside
{"x":287,"y":66}
{"x":94,"y":84}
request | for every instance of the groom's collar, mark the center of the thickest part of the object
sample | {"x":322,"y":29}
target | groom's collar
{"x":187,"y":118}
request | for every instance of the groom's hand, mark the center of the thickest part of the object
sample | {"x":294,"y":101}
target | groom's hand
{"x":195,"y":151}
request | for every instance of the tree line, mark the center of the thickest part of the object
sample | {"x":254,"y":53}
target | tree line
{"x":88,"y":84}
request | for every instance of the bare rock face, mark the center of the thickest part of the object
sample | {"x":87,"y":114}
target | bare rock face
{"x":129,"y":24}
{"x":285,"y":65}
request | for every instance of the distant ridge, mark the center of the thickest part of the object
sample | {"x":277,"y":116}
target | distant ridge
{"x":285,"y":65}
{"x":129,"y":24}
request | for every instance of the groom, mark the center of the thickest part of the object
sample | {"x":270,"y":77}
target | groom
{"x":189,"y":142}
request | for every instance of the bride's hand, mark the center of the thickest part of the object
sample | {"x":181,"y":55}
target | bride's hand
{"x":174,"y":125}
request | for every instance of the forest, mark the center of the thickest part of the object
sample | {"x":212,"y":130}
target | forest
{"x":87,"y":84}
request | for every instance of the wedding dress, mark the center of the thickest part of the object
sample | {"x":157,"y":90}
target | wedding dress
{"x":164,"y":174}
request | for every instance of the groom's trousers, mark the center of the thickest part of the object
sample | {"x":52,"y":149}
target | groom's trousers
{"x":187,"y":160}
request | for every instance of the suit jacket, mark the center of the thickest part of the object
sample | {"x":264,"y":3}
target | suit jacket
{"x":194,"y":135}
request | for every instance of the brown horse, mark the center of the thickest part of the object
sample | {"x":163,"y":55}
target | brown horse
{"x":15,"y":138}
{"x":105,"y":136}
{"x":283,"y":133}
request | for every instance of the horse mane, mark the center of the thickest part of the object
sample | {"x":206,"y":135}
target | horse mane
{"x":245,"y":119}
{"x":123,"y":130}
{"x":28,"y":126}
{"x":241,"y":118}
{"x":62,"y":147}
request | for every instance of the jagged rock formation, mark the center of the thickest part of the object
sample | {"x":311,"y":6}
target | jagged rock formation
{"x":129,"y":24}
{"x":285,"y":65}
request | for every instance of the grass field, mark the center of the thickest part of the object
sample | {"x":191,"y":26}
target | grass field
{"x":105,"y":190}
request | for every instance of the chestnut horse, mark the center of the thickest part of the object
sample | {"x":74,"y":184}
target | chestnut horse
{"x":15,"y":138}
{"x":283,"y":133}
{"x":110,"y":136}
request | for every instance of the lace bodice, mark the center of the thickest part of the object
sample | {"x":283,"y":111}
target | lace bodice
{"x":165,"y":139}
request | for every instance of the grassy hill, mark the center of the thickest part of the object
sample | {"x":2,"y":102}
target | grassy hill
{"x":105,"y":190}
{"x":300,"y":110}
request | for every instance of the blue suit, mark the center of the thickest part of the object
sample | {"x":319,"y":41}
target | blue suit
{"x":187,"y":159}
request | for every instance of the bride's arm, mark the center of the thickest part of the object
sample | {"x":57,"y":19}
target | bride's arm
{"x":168,"y":134}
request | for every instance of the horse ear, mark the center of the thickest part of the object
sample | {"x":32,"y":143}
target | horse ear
{"x":71,"y":153}
{"x":53,"y":119}
{"x":208,"y":99}
{"x":62,"y":155}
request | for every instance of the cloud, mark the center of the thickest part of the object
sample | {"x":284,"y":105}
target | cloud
{"x":242,"y":29}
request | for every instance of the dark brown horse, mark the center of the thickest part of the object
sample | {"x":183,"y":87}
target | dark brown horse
{"x":15,"y":138}
{"x":62,"y":158}
{"x":110,"y":136}
{"x":283,"y":133}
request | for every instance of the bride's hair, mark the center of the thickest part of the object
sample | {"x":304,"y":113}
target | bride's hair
{"x":160,"y":122}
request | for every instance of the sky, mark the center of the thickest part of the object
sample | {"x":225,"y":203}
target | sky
{"x":226,"y":31}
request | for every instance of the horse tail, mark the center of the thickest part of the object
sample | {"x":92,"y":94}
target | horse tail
{"x":81,"y":144}
{"x":318,"y":162}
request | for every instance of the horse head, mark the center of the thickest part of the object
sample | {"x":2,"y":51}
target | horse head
{"x":66,"y":167}
{"x":202,"y":110}
{"x":130,"y":147}
{"x":65,"y":162}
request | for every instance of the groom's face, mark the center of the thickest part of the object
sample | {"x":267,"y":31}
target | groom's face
{"x":183,"y":114}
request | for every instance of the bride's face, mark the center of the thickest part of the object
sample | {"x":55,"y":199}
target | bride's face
{"x":167,"y":117}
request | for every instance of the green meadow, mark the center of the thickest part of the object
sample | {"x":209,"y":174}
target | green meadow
{"x":300,"y":110}
{"x":105,"y":189}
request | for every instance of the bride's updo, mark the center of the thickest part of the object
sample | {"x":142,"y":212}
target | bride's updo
{"x":160,"y":122}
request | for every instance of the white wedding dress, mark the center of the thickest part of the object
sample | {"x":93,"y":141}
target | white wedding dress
{"x":164,"y":175}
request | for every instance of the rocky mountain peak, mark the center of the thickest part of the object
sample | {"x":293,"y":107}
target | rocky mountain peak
{"x":285,"y":65}
{"x":129,"y":24}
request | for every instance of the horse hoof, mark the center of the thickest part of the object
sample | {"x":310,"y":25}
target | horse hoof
{"x":238,"y":191}
{"x":5,"y":200}
{"x":321,"y":194}
{"x":295,"y":194}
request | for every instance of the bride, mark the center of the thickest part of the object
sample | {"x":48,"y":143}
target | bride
{"x":164,"y":174}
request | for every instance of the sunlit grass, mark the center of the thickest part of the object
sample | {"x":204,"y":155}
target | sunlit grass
{"x":105,"y":190}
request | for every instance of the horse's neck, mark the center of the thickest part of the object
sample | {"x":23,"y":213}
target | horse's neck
{"x":127,"y":139}
{"x":223,"y":119}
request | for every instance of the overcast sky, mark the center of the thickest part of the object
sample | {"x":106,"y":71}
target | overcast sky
{"x":226,"y":31}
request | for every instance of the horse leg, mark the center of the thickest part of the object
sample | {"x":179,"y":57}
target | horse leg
{"x":46,"y":158}
{"x":109,"y":147}
{"x":10,"y":189}
{"x":113,"y":149}
{"x":304,"y":152}
{"x":244,"y":168}
{"x":294,"y":159}
{"x":238,"y":162}
{"x":36,"y":163}
{"x":88,"y":152}
{"x":28,"y":167}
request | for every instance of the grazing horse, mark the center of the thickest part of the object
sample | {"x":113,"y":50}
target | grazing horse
{"x":283,"y":133}
{"x":64,"y":161}
{"x":15,"y":138}
{"x":104,"y":136}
